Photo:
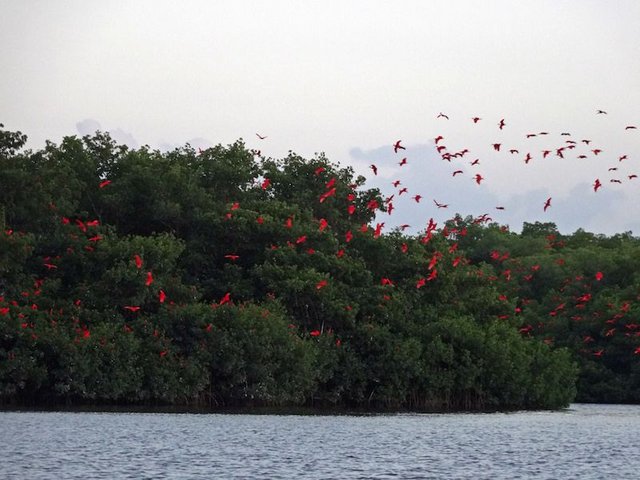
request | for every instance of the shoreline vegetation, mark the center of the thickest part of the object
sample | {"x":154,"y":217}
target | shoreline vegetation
{"x":222,"y":279}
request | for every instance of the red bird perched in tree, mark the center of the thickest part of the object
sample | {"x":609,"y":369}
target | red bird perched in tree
{"x":149,"y":279}
{"x":386,"y":281}
{"x":138,"y":261}
{"x":225,"y":299}
{"x":162,"y":296}
{"x":479,"y":178}
{"x":403,"y":161}
{"x":132,"y":308}
{"x":351,"y":209}
{"x":378,"y":230}
{"x":374,"y":169}
{"x":321,"y":284}
{"x":501,"y":124}
{"x":432,"y":275}
{"x":301,"y":239}
{"x":323,"y":224}
{"x":373,"y":204}
{"x":547,"y":204}
{"x":319,"y":170}
{"x":288,"y":222}
{"x":348,"y":236}
{"x":421,"y":282}
{"x":327,"y":194}
{"x":596,"y":185}
{"x":104,"y":183}
{"x":265,"y":184}
{"x":315,"y":333}
{"x":599,"y":276}
{"x":232,"y":257}
{"x":397,"y":146}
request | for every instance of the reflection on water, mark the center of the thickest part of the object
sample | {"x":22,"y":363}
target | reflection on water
{"x":585,"y":441}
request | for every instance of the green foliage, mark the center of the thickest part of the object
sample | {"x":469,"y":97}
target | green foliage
{"x":218,"y":278}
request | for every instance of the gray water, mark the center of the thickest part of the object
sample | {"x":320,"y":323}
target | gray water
{"x":585,"y":441}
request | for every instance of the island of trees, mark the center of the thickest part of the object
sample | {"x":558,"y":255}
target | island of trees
{"x":218,"y":278}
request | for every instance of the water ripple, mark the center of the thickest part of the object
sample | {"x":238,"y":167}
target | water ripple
{"x":585,"y":442}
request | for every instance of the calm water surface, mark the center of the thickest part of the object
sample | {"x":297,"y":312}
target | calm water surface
{"x":585,"y":441}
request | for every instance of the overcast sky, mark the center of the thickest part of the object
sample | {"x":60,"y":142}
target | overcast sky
{"x":349,"y":78}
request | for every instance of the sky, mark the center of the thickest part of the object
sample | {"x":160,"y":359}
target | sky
{"x":350,"y":78}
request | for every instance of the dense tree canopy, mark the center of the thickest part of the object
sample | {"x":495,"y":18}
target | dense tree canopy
{"x":221,"y":278}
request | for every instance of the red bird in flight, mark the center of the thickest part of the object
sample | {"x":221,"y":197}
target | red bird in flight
{"x":596,"y":185}
{"x":261,"y":137}
{"x":547,"y":204}
{"x":397,"y":147}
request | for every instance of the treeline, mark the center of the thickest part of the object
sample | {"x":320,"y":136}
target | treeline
{"x":220,"y":278}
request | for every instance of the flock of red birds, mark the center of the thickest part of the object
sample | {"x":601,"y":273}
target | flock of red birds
{"x":373,"y":205}
{"x":463,"y":158}
{"x":565,"y":149}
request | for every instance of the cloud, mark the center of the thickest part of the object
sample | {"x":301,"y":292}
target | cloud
{"x":123,"y":137}
{"x":89,"y":126}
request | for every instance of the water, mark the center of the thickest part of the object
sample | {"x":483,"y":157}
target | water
{"x":585,"y":442}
